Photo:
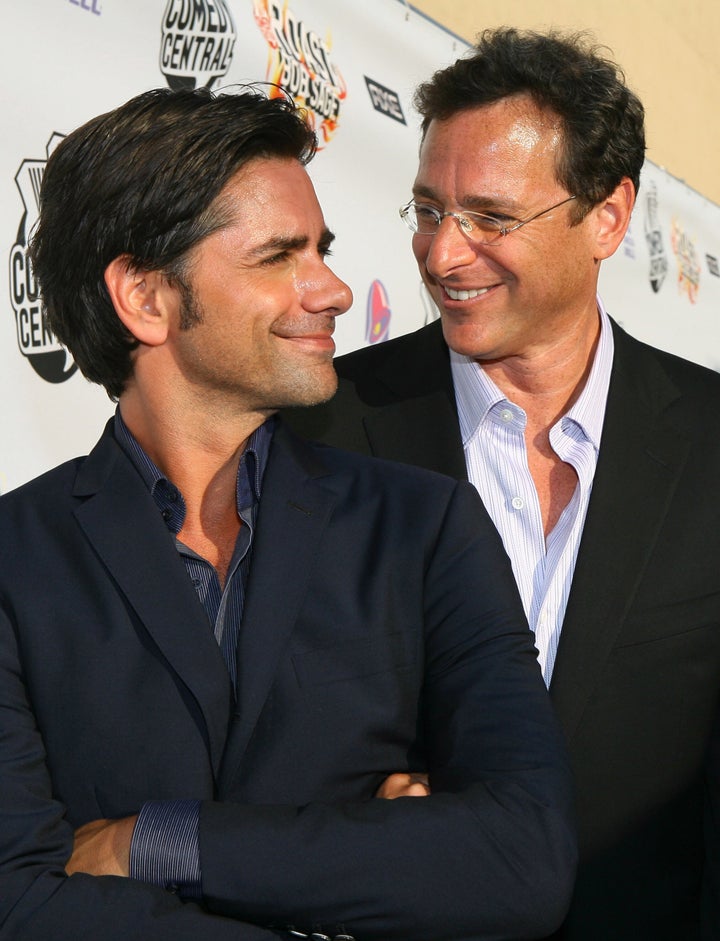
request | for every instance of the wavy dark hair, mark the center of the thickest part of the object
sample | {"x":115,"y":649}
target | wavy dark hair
{"x":601,"y":119}
{"x":141,"y":181}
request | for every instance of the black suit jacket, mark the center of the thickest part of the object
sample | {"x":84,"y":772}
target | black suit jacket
{"x":637,"y":675}
{"x":361,"y":653}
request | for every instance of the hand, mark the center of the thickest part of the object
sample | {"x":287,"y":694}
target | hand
{"x":414,"y":784}
{"x":102,"y":848}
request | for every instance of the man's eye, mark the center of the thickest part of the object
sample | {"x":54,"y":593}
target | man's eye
{"x":275,"y":259}
{"x":494,"y":217}
{"x":489,"y":221}
{"x":426,"y":213}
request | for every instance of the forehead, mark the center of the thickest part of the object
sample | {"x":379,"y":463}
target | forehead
{"x":266,"y":202}
{"x":267,"y":197}
{"x":503,"y":145}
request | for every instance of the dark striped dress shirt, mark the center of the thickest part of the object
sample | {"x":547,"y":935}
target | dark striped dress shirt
{"x":164,"y":847}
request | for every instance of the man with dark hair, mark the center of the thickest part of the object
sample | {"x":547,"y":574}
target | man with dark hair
{"x":243,"y":642}
{"x":596,"y":456}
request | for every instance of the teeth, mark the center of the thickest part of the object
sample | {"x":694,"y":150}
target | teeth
{"x":465,"y":295}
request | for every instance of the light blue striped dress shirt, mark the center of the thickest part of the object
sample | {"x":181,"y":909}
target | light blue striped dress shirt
{"x":492,"y":430}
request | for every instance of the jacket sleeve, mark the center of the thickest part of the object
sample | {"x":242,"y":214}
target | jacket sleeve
{"x":491,"y":853}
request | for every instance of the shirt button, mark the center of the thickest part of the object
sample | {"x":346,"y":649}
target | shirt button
{"x":506,"y":415}
{"x":518,"y":503}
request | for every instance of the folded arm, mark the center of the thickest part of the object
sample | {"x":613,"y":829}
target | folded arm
{"x":102,"y":847}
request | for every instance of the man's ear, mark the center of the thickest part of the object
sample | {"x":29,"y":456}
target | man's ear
{"x":139,"y":299}
{"x":613,"y":218}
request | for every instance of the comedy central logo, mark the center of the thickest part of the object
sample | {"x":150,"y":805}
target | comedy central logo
{"x":50,"y":360}
{"x":300,"y":61}
{"x":198,"y":40}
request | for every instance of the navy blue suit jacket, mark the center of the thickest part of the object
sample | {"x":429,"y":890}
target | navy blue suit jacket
{"x":636,"y":681}
{"x":382,"y":632}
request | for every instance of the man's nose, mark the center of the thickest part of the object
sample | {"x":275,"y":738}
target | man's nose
{"x":447,"y":249}
{"x":330,"y":296}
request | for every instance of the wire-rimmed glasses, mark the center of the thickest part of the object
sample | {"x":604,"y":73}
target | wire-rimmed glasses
{"x":479,"y":227}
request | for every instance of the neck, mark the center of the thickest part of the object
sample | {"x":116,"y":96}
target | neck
{"x":545,"y":382}
{"x":201,"y":458}
{"x":198,"y":453}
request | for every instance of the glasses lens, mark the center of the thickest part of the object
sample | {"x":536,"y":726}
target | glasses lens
{"x":475,"y":225}
{"x":422,"y":219}
{"x":482,"y":228}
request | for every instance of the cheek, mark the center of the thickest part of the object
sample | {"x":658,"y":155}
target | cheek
{"x":420,"y":249}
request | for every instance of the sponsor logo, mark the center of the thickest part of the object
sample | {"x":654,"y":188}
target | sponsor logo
{"x":300,"y":61}
{"x":687,"y":260}
{"x":92,"y":6}
{"x":713,"y":265}
{"x":198,"y":41}
{"x":385,"y":100}
{"x":50,"y":360}
{"x":654,"y":239}
{"x":377,"y":324}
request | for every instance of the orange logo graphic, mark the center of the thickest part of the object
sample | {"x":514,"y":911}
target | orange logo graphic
{"x":300,"y":61}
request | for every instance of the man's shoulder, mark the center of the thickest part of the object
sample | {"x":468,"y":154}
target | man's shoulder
{"x":689,"y":377}
{"x":329,"y":459}
{"x":77,"y":476}
{"x":33,"y":516}
{"x":48,"y":485}
{"x":411,"y":347}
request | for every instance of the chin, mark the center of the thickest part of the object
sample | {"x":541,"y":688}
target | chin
{"x":310,"y":389}
{"x":466,"y":340}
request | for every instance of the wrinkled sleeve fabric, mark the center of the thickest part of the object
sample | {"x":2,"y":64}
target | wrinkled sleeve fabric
{"x":164,"y":850}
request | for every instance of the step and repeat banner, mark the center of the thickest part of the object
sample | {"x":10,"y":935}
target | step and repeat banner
{"x":353,"y":67}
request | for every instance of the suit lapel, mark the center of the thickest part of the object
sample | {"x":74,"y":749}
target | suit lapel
{"x":419,"y":424}
{"x":294,"y":512}
{"x":641,"y":458}
{"x":122,"y":523}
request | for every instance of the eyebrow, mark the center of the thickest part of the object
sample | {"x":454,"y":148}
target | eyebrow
{"x":290,"y":244}
{"x":477,"y":203}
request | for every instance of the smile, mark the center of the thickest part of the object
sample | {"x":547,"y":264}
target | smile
{"x":465,"y":295}
{"x":317,"y":340}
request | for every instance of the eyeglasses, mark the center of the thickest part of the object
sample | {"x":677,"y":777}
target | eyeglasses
{"x":479,"y":227}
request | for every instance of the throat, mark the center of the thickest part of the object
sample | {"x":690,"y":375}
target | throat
{"x":215,"y":544}
{"x":555,"y":482}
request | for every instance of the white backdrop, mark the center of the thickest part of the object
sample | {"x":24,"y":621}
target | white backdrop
{"x":355,"y":66}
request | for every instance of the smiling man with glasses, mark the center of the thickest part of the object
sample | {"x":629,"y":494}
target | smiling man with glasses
{"x":596,"y":456}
